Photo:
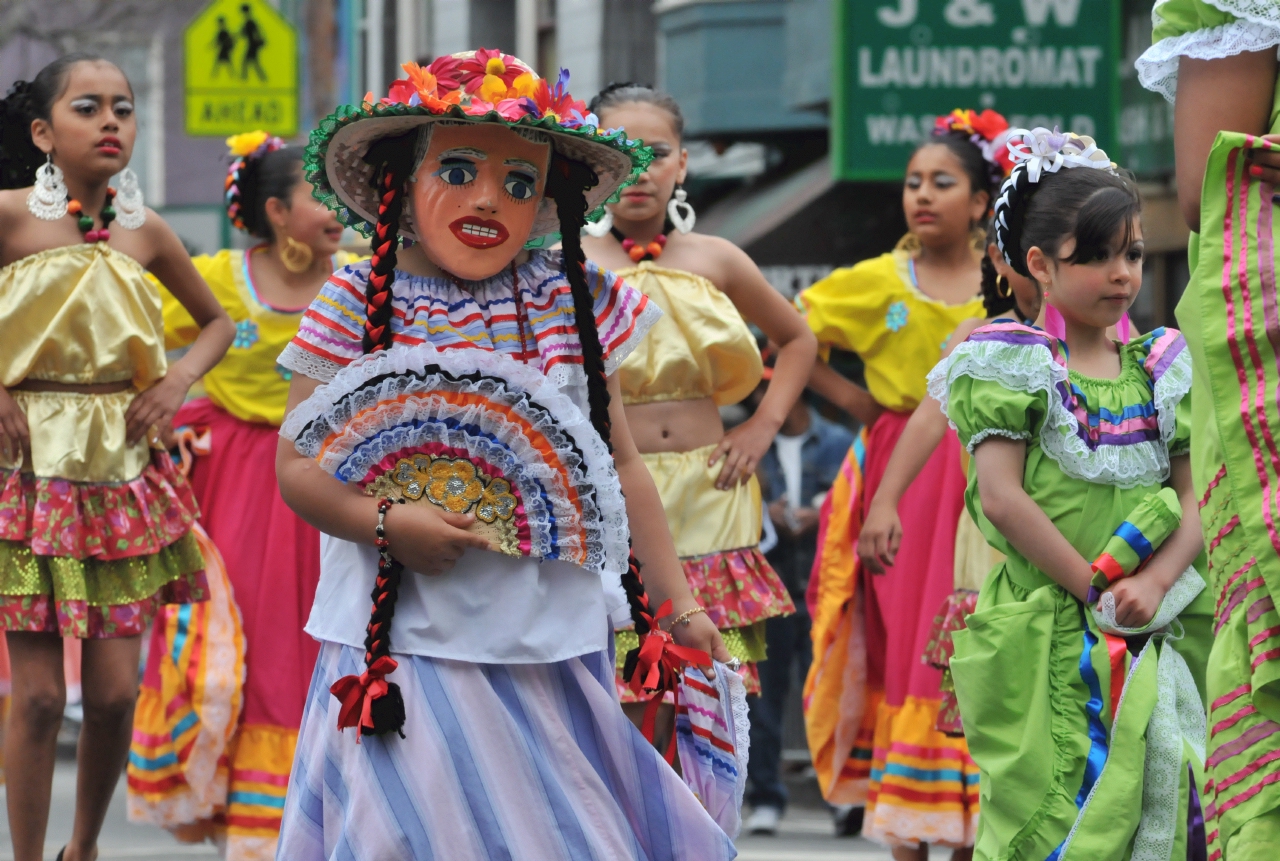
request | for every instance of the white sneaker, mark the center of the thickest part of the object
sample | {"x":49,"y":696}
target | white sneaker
{"x":764,"y":820}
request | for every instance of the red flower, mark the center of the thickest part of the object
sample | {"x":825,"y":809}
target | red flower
{"x":400,"y":92}
{"x":988,"y":124}
{"x":556,"y":101}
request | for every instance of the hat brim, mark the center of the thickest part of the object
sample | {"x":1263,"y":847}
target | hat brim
{"x":342,"y":179}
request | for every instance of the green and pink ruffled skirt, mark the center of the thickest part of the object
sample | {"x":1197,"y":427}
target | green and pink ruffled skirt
{"x":95,"y":560}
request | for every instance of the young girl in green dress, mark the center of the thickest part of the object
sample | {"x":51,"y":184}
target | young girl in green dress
{"x":1080,"y":676}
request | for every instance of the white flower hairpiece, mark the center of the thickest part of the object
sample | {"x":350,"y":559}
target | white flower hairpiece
{"x":1044,"y":151}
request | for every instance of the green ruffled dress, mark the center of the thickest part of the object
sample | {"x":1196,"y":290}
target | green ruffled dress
{"x":1229,"y":316}
{"x":1087,"y":745}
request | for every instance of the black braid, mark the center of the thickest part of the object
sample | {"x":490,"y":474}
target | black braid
{"x":1010,"y":217}
{"x":567,"y":182}
{"x":392,"y":159}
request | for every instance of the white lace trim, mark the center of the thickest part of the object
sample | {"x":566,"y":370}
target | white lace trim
{"x":644,"y":323}
{"x":1158,"y":65}
{"x":1031,"y":369}
{"x":339,"y":417}
{"x":1177,"y":719}
{"x":307,"y":363}
{"x":982,"y":435}
{"x":697,"y":757}
{"x":1180,"y":595}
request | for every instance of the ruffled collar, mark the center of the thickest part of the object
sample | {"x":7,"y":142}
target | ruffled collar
{"x":1127,"y":447}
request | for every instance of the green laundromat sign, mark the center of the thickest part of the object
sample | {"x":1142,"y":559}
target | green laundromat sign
{"x":900,"y":63}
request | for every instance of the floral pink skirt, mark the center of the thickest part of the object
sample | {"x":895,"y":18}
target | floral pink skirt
{"x":95,"y":560}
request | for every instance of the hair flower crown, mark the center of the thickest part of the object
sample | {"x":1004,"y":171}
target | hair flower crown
{"x":1044,"y":151}
{"x":242,"y":148}
{"x":988,"y":131}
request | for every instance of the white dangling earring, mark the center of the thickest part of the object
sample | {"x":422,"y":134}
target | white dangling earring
{"x":602,"y":227}
{"x":48,"y":198}
{"x":685,"y":220}
{"x":131,"y":211}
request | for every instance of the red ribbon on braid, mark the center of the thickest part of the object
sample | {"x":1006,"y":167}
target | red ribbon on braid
{"x":659,"y":665}
{"x":357,"y":693}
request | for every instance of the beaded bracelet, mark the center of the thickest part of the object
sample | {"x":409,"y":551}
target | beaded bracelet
{"x":380,"y":531}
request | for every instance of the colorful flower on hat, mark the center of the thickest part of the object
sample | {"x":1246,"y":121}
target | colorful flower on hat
{"x":421,"y":87}
{"x":489,"y":72}
{"x":448,"y":72}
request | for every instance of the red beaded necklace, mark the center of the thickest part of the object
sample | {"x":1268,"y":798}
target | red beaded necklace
{"x":85,"y":221}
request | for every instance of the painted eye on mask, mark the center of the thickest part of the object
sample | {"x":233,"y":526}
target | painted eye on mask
{"x":521,"y":186}
{"x":457,"y":171}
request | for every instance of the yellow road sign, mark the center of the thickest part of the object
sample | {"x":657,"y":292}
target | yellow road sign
{"x":241,"y":70}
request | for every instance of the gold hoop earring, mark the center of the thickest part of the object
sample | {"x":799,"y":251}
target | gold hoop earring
{"x":1003,"y":288}
{"x":296,"y":256}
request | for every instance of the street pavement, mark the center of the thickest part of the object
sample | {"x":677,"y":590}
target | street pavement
{"x":805,"y":834}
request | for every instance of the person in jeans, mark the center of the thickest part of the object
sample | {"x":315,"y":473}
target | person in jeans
{"x":796,"y":473}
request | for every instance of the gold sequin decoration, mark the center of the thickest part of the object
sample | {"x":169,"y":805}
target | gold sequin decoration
{"x":457,"y":486}
{"x":97,"y":582}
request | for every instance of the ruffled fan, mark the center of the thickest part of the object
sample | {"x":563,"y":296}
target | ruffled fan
{"x":472,"y":431}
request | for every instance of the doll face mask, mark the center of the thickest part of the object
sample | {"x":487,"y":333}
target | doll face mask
{"x":475,"y":197}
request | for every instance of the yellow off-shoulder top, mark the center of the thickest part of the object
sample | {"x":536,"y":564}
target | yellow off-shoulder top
{"x":699,"y":348}
{"x":80,"y":314}
{"x":248,"y":383}
{"x":875,"y":310}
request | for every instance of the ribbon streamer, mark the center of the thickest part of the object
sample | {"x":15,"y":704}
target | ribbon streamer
{"x":659,"y":663}
{"x":357,"y":693}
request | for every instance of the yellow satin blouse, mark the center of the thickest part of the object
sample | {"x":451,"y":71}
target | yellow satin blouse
{"x":248,"y":383}
{"x":875,"y":310}
{"x":699,"y":348}
{"x":80,"y":314}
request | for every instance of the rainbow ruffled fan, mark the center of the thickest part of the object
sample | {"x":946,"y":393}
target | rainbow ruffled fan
{"x":472,"y":430}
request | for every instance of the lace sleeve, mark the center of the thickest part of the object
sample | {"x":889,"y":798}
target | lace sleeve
{"x":991,"y":389}
{"x":1204,"y":30}
{"x":331,"y":333}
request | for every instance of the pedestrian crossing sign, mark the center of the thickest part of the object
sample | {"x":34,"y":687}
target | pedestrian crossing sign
{"x":241,"y":70}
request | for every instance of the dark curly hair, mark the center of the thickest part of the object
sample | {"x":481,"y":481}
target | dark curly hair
{"x":27,"y":101}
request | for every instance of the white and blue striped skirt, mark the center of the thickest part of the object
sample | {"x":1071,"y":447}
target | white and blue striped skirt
{"x":528,"y":762}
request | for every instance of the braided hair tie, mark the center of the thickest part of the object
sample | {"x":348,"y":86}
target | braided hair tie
{"x":1036,"y":152}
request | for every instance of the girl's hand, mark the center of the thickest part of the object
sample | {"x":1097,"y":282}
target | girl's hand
{"x":155,"y":407}
{"x":15,"y":436}
{"x":880,"y":538}
{"x":701,"y":634}
{"x":1137,"y":600}
{"x":742,"y":449}
{"x":1264,"y":164}
{"x":428,"y":540}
